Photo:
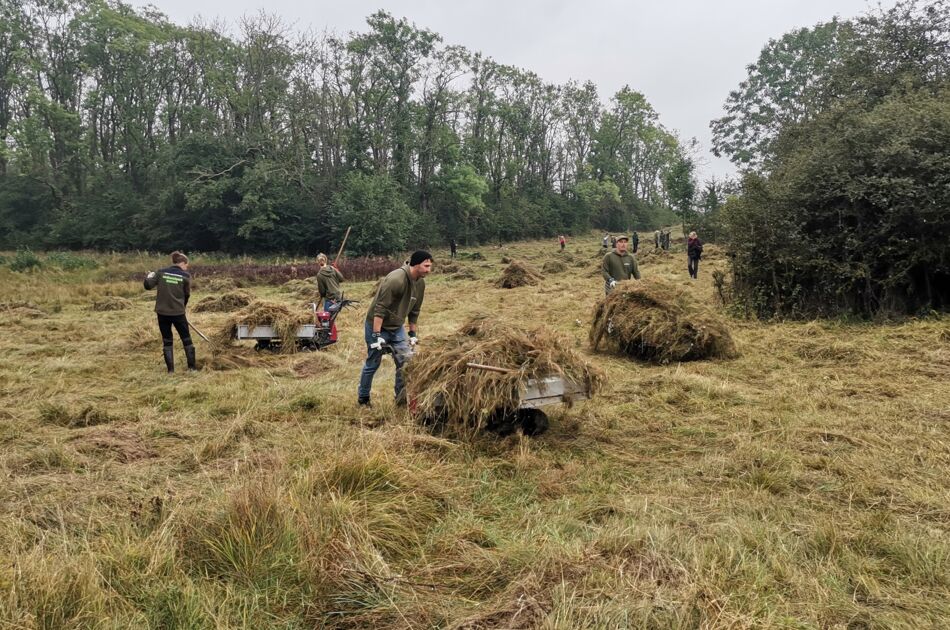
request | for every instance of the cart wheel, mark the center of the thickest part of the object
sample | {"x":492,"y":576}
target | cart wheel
{"x":533,"y":421}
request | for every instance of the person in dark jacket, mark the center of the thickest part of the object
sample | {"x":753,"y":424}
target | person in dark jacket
{"x":398,"y":299}
{"x":634,"y":242}
{"x":453,"y":248}
{"x":618,"y":265}
{"x":174,"y":289}
{"x":694,"y":251}
{"x":328,"y":283}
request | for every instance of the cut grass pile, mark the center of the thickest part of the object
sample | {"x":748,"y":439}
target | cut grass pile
{"x":225,"y":303}
{"x":658,"y":321}
{"x":518,"y":274}
{"x":110,"y":303}
{"x":446,"y":390}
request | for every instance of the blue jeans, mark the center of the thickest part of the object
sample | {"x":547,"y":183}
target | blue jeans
{"x":398,"y":343}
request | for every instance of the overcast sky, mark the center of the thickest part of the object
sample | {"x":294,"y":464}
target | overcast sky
{"x":683,"y":55}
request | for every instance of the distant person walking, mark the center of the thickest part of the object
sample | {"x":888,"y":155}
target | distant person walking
{"x":618,"y":265}
{"x":453,"y":248}
{"x":605,"y":242}
{"x":398,"y":299}
{"x":656,"y":239}
{"x":328,"y":283}
{"x":694,"y":251}
{"x":634,"y":242}
{"x":562,"y":241}
{"x":174,"y":289}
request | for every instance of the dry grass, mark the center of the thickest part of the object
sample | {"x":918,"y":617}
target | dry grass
{"x":518,"y":274}
{"x":803,"y":484}
{"x":224,"y":303}
{"x":444,"y":390}
{"x":658,"y":321}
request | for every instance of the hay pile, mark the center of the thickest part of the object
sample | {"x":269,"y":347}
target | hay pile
{"x":657,"y":321}
{"x":110,"y":303}
{"x":306,"y":289}
{"x":215,"y":284}
{"x":554,"y":266}
{"x":463,"y":274}
{"x":226,"y":303}
{"x":21,"y":310}
{"x":284,"y":321}
{"x":518,"y":274}
{"x":444,"y":390}
{"x":448,"y":268}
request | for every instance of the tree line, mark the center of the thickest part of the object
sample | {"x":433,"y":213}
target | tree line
{"x":842,"y":132}
{"x":120,"y":129}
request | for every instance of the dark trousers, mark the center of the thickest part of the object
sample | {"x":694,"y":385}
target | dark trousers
{"x":693,"y":266}
{"x":180,"y":322}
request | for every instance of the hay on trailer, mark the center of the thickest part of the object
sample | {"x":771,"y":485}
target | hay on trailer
{"x":110,"y":303}
{"x":518,"y":274}
{"x":225,"y":303}
{"x":443,"y":389}
{"x":284,"y":322}
{"x":658,"y":321}
{"x":554,"y":266}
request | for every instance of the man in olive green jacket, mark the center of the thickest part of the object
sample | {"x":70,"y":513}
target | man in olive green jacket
{"x":399,"y":297}
{"x":328,"y":283}
{"x":174,"y":290}
{"x":619,"y":265}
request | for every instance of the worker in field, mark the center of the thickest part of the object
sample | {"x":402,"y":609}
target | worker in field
{"x":174,"y":289}
{"x":634,"y":242}
{"x":398,"y":299}
{"x":619,"y":265}
{"x":453,"y":249}
{"x":561,"y":241}
{"x":328,"y":283}
{"x":694,"y":251}
{"x":656,"y":239}
{"x":605,"y":242}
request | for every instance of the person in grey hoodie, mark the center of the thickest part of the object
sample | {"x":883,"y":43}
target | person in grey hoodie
{"x":328,"y":283}
{"x":174,"y":289}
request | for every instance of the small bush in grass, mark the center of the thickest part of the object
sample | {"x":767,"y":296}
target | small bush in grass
{"x":68,"y":261}
{"x":25,"y":260}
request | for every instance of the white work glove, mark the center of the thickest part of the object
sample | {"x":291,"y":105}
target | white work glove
{"x":413,"y":340}
{"x":613,"y":283}
{"x":150,"y":275}
{"x":378,"y":342}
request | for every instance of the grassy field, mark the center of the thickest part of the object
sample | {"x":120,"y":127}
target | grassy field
{"x":805,"y":484}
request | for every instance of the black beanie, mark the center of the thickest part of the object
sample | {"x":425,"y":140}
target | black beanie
{"x":418,"y":257}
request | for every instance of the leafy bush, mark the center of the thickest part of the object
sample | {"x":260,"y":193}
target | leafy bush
{"x":25,"y":260}
{"x":68,"y":261}
{"x":853,"y":217}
